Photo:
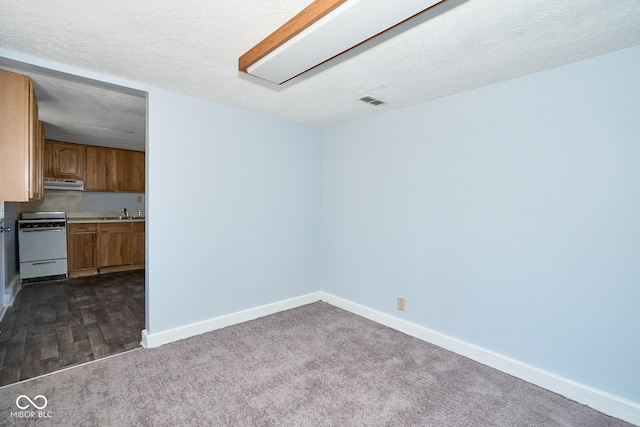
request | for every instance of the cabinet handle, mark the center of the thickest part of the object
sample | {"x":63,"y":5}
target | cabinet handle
{"x":7,"y":229}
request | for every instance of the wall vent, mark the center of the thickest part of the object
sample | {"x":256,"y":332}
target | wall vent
{"x":372,"y":101}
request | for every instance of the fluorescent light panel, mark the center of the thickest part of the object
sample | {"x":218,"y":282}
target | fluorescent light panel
{"x":346,"y":26}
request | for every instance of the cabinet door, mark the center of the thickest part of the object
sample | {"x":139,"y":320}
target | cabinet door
{"x":82,"y":249}
{"x":47,"y":162}
{"x":68,"y":161}
{"x":131,"y":171}
{"x":137,"y":243}
{"x":82,"y":252}
{"x":114,"y":244}
{"x":39,"y":164}
{"x":17,"y":138}
{"x":101,"y":169}
{"x":33,"y":146}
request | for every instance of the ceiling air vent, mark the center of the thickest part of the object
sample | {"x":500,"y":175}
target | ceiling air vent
{"x":372,"y":101}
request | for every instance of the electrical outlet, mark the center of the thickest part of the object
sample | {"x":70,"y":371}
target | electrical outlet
{"x":139,"y":199}
{"x":400,"y":303}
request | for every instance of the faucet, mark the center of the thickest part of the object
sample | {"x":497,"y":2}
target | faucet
{"x":126,"y":212}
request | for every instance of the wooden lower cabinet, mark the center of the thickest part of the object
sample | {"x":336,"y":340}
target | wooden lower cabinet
{"x":103,"y":247}
{"x":114,"y":244}
{"x":82,"y":255}
{"x":137,"y":243}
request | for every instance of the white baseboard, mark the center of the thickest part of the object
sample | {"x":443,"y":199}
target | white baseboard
{"x":170,"y":335}
{"x":599,"y":400}
{"x":10,"y":294}
{"x":12,"y":290}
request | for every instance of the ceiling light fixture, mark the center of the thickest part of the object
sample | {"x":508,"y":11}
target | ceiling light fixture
{"x":323,"y":30}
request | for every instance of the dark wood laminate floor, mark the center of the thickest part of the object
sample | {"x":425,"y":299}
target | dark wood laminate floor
{"x":58,"y":324}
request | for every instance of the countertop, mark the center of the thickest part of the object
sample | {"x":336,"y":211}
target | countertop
{"x":86,"y":217}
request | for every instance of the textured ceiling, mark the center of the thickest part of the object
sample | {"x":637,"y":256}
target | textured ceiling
{"x":192,"y":47}
{"x":85,"y":113}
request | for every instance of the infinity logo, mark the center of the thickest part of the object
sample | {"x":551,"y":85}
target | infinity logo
{"x":31,"y":402}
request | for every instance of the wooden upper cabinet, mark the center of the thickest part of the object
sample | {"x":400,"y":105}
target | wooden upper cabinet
{"x":38,"y":170}
{"x":18,"y":133}
{"x":64,"y":160}
{"x":47,"y":161}
{"x":130,"y":171}
{"x":33,"y":136}
{"x":100,"y":169}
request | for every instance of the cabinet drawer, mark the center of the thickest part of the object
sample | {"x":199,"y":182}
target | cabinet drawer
{"x":115,"y":227}
{"x":137,"y":226}
{"x":83,"y":228}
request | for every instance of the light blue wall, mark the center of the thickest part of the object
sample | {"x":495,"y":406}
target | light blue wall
{"x":234,"y":209}
{"x":508,"y":217}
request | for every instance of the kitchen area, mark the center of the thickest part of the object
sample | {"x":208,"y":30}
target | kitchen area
{"x":99,"y":193}
{"x":72,"y":212}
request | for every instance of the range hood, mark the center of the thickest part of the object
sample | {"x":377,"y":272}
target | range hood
{"x":63,"y":184}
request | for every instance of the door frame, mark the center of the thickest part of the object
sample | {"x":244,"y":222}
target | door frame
{"x":9,"y":258}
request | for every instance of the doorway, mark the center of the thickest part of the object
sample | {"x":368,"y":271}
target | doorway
{"x":94,"y":319}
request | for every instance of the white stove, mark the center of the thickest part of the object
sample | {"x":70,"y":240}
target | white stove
{"x":42,"y":246}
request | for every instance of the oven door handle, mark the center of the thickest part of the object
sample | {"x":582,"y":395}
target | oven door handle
{"x":29,"y":230}
{"x":43,"y":262}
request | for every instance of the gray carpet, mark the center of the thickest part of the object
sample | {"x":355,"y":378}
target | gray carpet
{"x":315,"y":365}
